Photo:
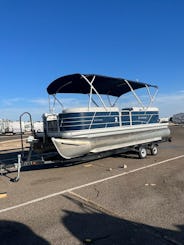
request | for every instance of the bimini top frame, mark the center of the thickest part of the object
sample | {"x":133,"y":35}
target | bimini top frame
{"x":100,"y":85}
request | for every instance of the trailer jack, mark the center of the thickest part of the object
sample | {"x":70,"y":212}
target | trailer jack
{"x":18,"y":167}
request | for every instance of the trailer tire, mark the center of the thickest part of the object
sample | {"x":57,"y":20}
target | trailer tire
{"x":142,"y":152}
{"x":154,"y":150}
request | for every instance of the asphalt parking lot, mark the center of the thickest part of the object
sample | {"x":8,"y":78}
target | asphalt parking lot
{"x":115,"y":200}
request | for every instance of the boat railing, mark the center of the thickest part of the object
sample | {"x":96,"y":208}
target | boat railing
{"x":144,"y":118}
{"x":151,"y":116}
{"x":88,"y":120}
{"x":92,"y":120}
{"x":82,"y":119}
{"x":132,"y":117}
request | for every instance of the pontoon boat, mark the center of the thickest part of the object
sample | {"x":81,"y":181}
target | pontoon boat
{"x":76,"y":132}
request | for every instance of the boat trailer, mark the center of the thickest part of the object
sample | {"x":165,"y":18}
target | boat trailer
{"x":32,"y":161}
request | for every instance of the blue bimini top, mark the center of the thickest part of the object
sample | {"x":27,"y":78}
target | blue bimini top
{"x":76,"y":83}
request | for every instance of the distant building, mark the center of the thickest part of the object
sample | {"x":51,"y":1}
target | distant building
{"x":4,"y":126}
{"x":164,"y":119}
{"x":38,"y":126}
{"x":178,"y":118}
{"x":13,"y":127}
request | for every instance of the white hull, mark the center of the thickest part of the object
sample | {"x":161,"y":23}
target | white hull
{"x":98,"y":140}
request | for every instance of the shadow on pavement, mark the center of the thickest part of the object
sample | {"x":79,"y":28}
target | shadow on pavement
{"x":92,"y":226}
{"x":15,"y":233}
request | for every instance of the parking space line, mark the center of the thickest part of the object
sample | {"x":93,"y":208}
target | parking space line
{"x":88,"y":184}
{"x":94,"y":205}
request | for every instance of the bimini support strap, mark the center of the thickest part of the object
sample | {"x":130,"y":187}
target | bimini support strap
{"x":137,"y":98}
{"x":152,"y":97}
{"x":93,"y":88}
{"x":90,"y":95}
{"x":115,"y":101}
{"x":56,"y":99}
{"x":93,"y":102}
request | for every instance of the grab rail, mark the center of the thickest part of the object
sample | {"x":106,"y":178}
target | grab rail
{"x":21,"y":132}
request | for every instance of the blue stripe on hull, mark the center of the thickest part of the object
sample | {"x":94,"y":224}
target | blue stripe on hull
{"x":91,"y":120}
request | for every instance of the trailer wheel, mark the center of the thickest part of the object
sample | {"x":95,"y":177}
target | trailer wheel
{"x":154,"y":150}
{"x":142,"y":152}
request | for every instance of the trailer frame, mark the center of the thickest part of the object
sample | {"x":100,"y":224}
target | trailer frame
{"x":52,"y":159}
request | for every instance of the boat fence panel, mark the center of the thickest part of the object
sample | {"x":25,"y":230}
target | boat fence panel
{"x":88,"y":120}
{"x":129,"y":117}
{"x":125,"y":118}
{"x":144,"y":117}
{"x":100,"y":119}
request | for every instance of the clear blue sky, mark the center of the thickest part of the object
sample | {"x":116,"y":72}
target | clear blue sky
{"x":134,"y":39}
